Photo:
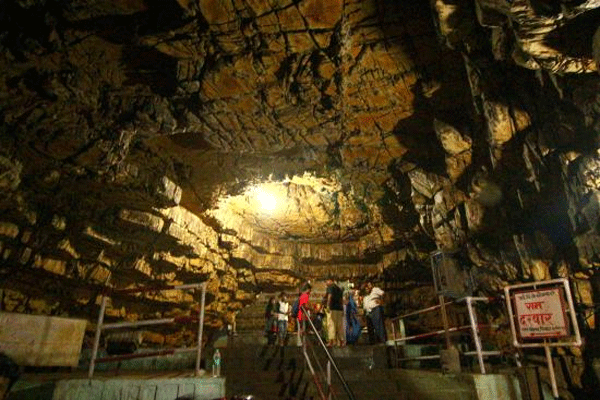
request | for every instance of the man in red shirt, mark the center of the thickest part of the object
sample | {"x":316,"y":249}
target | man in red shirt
{"x":303,"y":302}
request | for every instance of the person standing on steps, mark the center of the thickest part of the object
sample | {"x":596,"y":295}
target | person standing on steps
{"x":335,"y":304}
{"x":353,"y":327}
{"x":373,"y":303}
{"x":270,"y":320}
{"x":282,"y":318}
{"x":303,"y":302}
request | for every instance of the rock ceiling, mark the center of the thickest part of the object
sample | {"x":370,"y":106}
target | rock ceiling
{"x":255,"y":143}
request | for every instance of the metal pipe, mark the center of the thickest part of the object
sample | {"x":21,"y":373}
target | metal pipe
{"x":432,"y":357}
{"x":185,"y":349}
{"x":312,"y":371}
{"x":432,"y":308}
{"x":485,"y":353}
{"x":422,"y":311}
{"x":569,"y":297}
{"x":315,"y":377}
{"x":445,"y":320}
{"x":148,"y":322}
{"x":468,"y":353}
{"x":145,"y":355}
{"x":200,"y":329}
{"x":475,"y":330}
{"x":478,"y":298}
{"x":328,"y":354}
{"x":135,"y":355}
{"x":97,"y":336}
{"x":436,"y":333}
{"x":536,"y":284}
{"x":511,"y":317}
{"x":395,"y":342}
{"x":328,"y":380}
{"x":551,"y":370}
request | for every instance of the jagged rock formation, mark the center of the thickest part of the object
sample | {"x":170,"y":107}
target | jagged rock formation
{"x":138,"y":137}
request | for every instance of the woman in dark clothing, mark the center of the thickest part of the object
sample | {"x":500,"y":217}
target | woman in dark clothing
{"x":353,"y":327}
{"x":270,"y":320}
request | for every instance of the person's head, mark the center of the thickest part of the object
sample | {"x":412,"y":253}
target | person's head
{"x":271,"y":299}
{"x":329,"y":282}
{"x":369,"y":287}
{"x":282,"y":296}
{"x":306,"y":288}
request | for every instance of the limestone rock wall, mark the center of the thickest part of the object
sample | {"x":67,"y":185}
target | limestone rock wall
{"x":135,"y":136}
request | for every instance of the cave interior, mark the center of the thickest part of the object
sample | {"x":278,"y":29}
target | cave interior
{"x":255,"y":145}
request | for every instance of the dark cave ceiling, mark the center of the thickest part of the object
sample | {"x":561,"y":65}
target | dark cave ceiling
{"x":139,"y":137}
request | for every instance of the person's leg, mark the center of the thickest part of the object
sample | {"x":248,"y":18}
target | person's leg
{"x":338,"y":321}
{"x":282,"y":331}
{"x":272,"y":331}
{"x":370,"y":328}
{"x":330,"y":328}
{"x":378,"y":324}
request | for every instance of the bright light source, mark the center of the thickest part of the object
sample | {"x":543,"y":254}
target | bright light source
{"x":267,"y":200}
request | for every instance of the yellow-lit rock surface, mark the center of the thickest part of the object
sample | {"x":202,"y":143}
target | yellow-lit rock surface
{"x":254,"y":145}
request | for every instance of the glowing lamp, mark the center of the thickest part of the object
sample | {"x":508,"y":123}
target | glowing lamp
{"x":267,"y":201}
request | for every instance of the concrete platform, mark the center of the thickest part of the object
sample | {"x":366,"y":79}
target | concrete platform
{"x":163,"y":386}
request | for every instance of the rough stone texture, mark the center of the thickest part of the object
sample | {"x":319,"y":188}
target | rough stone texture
{"x":137,"y":140}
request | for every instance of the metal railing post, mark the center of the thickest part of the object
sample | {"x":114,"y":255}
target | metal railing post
{"x":200,"y":329}
{"x":330,"y":358}
{"x":475,"y":330}
{"x":445,"y":320}
{"x":328,"y":380}
{"x":551,"y":369}
{"x":395,"y":343}
{"x":97,"y":336}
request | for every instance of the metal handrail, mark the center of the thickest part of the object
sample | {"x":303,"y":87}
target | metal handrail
{"x":473,"y":326}
{"x":328,"y":354}
{"x":100,"y":326}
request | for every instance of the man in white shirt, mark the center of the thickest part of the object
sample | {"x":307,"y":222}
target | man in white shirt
{"x":373,"y":304}
{"x":282,"y":318}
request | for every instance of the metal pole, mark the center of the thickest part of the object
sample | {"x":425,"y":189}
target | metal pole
{"x":200,"y":329}
{"x":97,"y":337}
{"x":571,"y":309}
{"x":395,"y":343}
{"x":303,"y":336}
{"x":330,"y":358}
{"x":445,"y":320}
{"x":117,"y":325}
{"x":475,"y":330}
{"x":551,"y":370}
{"x":328,"y":380}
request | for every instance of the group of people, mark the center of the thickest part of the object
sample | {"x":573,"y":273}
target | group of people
{"x":337,"y":316}
{"x":277,"y":314}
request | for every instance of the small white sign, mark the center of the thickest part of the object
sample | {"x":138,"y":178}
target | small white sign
{"x":541,"y":314}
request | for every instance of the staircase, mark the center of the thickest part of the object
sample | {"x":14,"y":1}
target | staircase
{"x":252,"y":367}
{"x":268,"y":372}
